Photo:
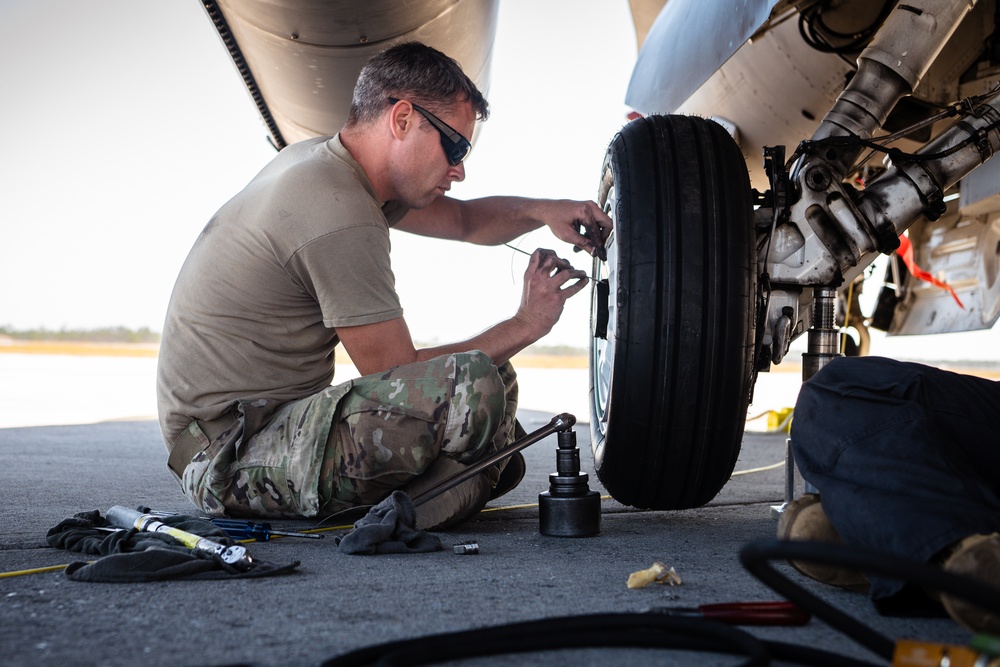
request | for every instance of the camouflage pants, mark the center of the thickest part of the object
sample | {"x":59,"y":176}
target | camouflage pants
{"x":354,"y":443}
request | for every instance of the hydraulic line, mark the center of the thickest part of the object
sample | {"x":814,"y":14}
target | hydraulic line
{"x":596,"y":630}
{"x":755,"y":558}
{"x":639,"y":630}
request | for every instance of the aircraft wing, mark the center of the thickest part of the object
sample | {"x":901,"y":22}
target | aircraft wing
{"x":300,"y":59}
{"x":687,"y":43}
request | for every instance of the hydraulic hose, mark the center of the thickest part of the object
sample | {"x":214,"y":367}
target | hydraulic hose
{"x":755,"y":558}
{"x":638,"y":630}
{"x":596,"y":630}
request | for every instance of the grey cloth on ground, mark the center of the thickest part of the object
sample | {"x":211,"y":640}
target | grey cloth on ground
{"x":389,"y":528}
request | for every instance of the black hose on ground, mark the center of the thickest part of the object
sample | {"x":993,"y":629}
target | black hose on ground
{"x":637,"y":630}
{"x":755,"y":557}
{"x":588,"y":631}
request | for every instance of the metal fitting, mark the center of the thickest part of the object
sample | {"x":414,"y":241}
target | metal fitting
{"x":466,"y":548}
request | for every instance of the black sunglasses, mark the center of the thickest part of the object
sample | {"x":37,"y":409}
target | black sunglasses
{"x":456,"y":147}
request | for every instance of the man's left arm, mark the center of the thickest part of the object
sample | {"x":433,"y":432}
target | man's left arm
{"x":496,"y":220}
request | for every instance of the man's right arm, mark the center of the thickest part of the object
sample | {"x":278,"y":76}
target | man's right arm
{"x":383,"y":345}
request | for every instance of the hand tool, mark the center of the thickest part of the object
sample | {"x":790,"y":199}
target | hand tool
{"x":742,"y":613}
{"x":124,"y":517}
{"x":561,"y":422}
{"x":570,"y":508}
{"x":240,"y":529}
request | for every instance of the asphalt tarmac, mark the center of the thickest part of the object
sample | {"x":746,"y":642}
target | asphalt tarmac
{"x":335,"y":603}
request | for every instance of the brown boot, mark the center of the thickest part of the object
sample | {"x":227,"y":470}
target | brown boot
{"x":804,"y":519}
{"x":976,"y":557}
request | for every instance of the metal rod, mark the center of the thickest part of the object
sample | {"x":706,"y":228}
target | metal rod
{"x":562,"y":422}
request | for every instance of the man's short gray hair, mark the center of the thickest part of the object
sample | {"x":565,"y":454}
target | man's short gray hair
{"x":416,"y":72}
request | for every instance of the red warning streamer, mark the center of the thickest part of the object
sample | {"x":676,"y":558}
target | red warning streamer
{"x":905,"y":252}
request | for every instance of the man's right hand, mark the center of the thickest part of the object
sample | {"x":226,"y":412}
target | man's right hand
{"x":545,"y":290}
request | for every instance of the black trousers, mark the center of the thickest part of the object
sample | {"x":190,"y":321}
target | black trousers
{"x":906,"y":457}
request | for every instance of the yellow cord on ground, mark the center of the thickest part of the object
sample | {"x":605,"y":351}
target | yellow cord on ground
{"x":510,"y":507}
{"x":37,"y":570}
{"x":778,"y":421}
{"x":750,"y":471}
{"x":324,"y":529}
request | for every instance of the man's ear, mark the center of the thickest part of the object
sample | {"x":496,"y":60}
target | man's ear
{"x":401,"y":119}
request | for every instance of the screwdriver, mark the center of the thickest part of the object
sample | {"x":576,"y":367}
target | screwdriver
{"x":242,"y":529}
{"x":254,"y":530}
{"x":743,"y":613}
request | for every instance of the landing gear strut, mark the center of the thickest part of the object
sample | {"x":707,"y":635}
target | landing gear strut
{"x":823,"y":338}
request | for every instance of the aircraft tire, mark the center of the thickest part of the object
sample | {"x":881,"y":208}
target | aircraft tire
{"x":672,"y":316}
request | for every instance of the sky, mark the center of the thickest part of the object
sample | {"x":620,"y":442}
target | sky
{"x":126,"y":126}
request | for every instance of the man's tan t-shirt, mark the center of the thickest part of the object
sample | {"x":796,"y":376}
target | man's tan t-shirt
{"x":303,"y":249}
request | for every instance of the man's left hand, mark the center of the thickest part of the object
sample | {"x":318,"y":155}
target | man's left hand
{"x":580,"y":223}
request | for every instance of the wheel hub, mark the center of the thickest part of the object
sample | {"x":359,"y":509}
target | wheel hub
{"x":603,"y":317}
